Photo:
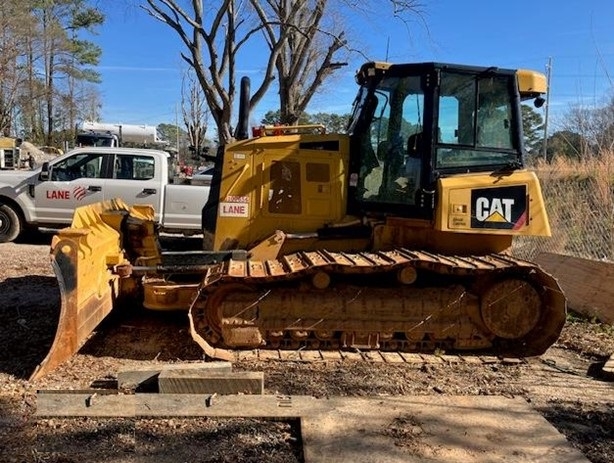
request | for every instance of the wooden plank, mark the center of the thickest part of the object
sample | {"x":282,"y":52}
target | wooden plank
{"x":290,"y":355}
{"x":512,"y":361}
{"x":451,"y":359}
{"x":489,"y":359}
{"x":167,"y":405}
{"x":372,"y":356}
{"x":85,"y":404}
{"x":451,"y":429}
{"x":268,"y":354}
{"x":472,"y":359}
{"x":211,"y":382}
{"x":246,"y":355}
{"x":135,"y":377}
{"x":587,"y":284}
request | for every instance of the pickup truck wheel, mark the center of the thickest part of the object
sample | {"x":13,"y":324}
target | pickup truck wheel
{"x":10,"y":225}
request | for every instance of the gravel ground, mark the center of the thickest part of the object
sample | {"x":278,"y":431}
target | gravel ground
{"x":563,"y":385}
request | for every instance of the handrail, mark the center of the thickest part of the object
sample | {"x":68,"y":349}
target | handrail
{"x":266,"y":130}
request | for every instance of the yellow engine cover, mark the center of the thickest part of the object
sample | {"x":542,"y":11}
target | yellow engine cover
{"x":295,"y":183}
{"x":499,"y":204}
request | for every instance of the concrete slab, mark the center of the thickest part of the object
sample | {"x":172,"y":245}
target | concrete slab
{"x":433,"y":429}
{"x":375,"y":429}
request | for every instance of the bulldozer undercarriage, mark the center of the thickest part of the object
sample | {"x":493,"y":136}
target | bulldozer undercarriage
{"x":397,"y":301}
{"x":400,"y":300}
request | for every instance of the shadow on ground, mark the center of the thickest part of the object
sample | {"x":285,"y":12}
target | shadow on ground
{"x":29,"y":314}
{"x":589,"y":430}
{"x":29,"y":310}
{"x":36,"y":237}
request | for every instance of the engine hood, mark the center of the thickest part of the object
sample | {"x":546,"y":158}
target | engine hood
{"x":15,"y":177}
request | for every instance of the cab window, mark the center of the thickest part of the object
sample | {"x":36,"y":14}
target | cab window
{"x":83,"y":165}
{"x":475,"y":121}
{"x":133,"y":167}
{"x":392,"y":175}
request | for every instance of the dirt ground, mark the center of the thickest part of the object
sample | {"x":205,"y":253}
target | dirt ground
{"x":563,"y":385}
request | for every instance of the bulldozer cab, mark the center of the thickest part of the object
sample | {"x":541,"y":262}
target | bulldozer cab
{"x":414,"y":124}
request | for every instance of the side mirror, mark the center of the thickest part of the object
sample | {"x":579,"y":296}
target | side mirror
{"x":539,"y":102}
{"x":45,"y":174}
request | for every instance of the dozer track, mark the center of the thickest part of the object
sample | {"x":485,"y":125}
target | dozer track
{"x":393,"y":301}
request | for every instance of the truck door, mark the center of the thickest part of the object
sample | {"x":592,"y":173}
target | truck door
{"x":136,"y":179}
{"x":74,"y":181}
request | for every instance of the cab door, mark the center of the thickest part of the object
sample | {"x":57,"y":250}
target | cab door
{"x":74,"y":181}
{"x":136,"y":179}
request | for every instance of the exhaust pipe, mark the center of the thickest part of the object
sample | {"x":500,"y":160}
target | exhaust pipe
{"x":242,"y":130}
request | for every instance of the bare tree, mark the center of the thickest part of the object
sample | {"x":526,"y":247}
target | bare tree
{"x":306,"y":59}
{"x":195,"y":112}
{"x":315,"y":38}
{"x":213,"y":41}
{"x":302,"y":47}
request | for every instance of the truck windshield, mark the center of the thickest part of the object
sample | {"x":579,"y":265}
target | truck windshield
{"x":475,"y":125}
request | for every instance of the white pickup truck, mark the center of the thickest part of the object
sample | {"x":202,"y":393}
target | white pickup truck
{"x":48,"y":195}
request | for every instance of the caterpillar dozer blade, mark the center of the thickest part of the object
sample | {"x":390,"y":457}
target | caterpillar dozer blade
{"x":86,"y":259}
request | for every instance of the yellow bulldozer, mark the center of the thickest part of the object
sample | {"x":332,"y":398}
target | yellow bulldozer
{"x":394,"y":236}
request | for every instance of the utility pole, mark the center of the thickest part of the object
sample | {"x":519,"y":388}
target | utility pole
{"x":548,"y":74}
{"x":177,"y":128}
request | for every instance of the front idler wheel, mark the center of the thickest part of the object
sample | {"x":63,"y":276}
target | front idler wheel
{"x":511,"y":308}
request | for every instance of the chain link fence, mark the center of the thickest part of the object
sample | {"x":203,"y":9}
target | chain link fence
{"x":580,"y":204}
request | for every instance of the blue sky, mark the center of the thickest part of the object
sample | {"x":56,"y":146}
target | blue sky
{"x":141,"y":68}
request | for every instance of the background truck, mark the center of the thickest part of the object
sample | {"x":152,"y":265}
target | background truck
{"x":48,"y":196}
{"x":91,"y":133}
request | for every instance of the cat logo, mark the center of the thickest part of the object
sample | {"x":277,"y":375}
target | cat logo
{"x":502,"y":208}
{"x":494,"y":210}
